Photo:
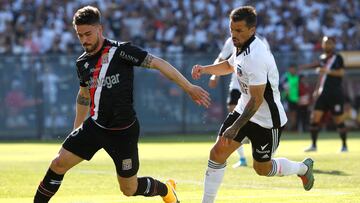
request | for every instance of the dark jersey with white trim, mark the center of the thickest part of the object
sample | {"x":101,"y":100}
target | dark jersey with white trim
{"x":331,"y":84}
{"x":109,"y":76}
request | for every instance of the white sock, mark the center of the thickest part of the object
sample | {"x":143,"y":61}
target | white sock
{"x":285,"y":167}
{"x":240,"y":151}
{"x":213,"y":178}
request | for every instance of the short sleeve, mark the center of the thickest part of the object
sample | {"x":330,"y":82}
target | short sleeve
{"x":81,"y":79}
{"x":131,"y":54}
{"x":257,"y":71}
{"x":227,"y":49}
{"x":231,"y":60}
{"x":339,"y":62}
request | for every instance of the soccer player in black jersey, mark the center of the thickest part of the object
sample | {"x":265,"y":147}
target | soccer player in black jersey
{"x":328,"y":92}
{"x":105,"y":71}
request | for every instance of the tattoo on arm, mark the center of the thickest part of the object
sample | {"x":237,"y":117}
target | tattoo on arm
{"x":147,"y":61}
{"x":249,"y":111}
{"x":83,"y":100}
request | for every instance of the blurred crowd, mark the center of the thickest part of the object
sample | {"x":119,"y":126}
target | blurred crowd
{"x":166,"y":26}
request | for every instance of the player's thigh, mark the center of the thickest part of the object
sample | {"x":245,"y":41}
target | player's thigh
{"x":264,"y":141}
{"x":84,"y":141}
{"x":122,"y":146}
{"x":64,"y":161}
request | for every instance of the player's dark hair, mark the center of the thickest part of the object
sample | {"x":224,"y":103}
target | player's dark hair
{"x":87,"y":15}
{"x":246,"y":13}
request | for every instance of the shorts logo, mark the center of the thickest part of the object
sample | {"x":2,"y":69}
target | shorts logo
{"x":126,"y":164}
{"x":263,"y":147}
{"x":265,"y":156}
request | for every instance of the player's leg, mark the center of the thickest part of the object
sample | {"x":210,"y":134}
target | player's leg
{"x":264,"y":143}
{"x":234,"y":96}
{"x":78,"y":146}
{"x":342,"y":130}
{"x":122,"y":146}
{"x":217,"y":161}
{"x":321,"y":106}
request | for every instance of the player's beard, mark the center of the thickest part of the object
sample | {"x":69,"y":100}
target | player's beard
{"x":91,"y":48}
{"x":237,"y":43}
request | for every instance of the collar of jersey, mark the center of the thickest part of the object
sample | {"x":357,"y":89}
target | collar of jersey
{"x":246,"y":44}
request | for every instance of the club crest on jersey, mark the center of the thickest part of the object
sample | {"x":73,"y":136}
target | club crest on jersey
{"x":105,"y":58}
{"x":239,"y":71}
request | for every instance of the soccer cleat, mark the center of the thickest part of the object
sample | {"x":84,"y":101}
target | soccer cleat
{"x":344,"y":149}
{"x":171,"y":196}
{"x":310,"y":149}
{"x":240,"y":163}
{"x":308,"y":178}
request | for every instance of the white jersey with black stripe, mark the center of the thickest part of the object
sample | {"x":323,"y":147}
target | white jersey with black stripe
{"x":226,"y":53}
{"x":255,"y":65}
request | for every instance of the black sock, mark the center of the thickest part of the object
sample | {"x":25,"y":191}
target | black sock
{"x":342,"y":132}
{"x":314,"y":131}
{"x":148,"y":187}
{"x":48,"y":187}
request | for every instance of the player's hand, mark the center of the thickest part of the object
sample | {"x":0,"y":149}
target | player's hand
{"x":199,"y":95}
{"x":213,"y":81}
{"x":196,"y":72}
{"x":230,"y":133}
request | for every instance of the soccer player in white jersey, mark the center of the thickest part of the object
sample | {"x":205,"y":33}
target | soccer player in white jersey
{"x":234,"y":90}
{"x":234,"y":93}
{"x":259,"y":114}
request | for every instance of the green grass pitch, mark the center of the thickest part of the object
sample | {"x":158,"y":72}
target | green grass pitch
{"x":184,"y":158}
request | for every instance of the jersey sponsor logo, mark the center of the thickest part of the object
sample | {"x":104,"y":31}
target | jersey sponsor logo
{"x":128,"y":57}
{"x":126,"y":164}
{"x":108,"y":81}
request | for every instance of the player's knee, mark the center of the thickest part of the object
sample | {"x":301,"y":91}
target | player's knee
{"x":59,"y":166}
{"x":261,"y":170}
{"x":128,"y":190}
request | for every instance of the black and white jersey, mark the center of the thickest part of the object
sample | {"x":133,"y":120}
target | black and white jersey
{"x":226,"y":52}
{"x":331,"y":84}
{"x":109,"y":76}
{"x":255,"y":65}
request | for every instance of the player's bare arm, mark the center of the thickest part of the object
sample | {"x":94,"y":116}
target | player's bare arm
{"x":337,"y":72}
{"x":222,"y":68}
{"x":257,"y":97}
{"x":214,"y":79}
{"x":82,"y":106}
{"x":199,"y":95}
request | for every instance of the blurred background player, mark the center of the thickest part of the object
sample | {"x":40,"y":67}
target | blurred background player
{"x":290,"y":86}
{"x":328,"y":92}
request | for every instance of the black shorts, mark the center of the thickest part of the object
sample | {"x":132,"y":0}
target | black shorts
{"x":121,"y":145}
{"x":333,"y":103}
{"x":234,"y":96}
{"x":264,"y":142}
